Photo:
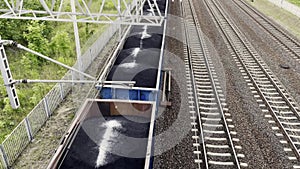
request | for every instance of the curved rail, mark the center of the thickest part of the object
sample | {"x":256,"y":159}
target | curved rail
{"x":279,"y":103}
{"x":283,"y":38}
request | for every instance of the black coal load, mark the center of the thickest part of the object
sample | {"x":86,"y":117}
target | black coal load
{"x":138,"y":30}
{"x":85,"y":150}
{"x":149,"y":57}
{"x":160,"y":3}
{"x":139,"y":59}
{"x":135,"y":41}
{"x":143,"y":75}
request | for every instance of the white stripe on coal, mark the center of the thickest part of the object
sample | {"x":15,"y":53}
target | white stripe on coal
{"x":105,"y":144}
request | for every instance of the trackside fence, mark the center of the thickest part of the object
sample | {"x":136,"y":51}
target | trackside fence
{"x":24,"y":133}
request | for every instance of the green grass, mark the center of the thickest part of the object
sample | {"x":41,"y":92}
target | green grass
{"x":8,"y":121}
{"x":296,"y":2}
{"x":284,"y":18}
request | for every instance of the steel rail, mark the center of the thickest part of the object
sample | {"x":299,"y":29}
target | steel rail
{"x":281,"y":41}
{"x":238,"y":35}
{"x":215,"y":91}
{"x":193,"y":82}
{"x":200,"y":35}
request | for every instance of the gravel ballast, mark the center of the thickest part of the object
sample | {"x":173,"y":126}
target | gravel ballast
{"x":173,"y":146}
{"x":259,"y":143}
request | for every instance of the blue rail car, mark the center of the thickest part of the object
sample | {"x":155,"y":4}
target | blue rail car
{"x":128,"y":94}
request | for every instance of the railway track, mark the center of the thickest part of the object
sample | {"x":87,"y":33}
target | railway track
{"x":215,"y":145}
{"x":279,"y":107}
{"x":289,"y":43}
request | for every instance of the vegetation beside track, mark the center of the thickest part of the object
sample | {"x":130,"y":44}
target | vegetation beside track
{"x":281,"y":16}
{"x":53,"y":39}
{"x":296,"y":2}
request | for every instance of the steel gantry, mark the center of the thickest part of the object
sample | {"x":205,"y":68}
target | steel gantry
{"x":120,"y":12}
{"x":129,"y":12}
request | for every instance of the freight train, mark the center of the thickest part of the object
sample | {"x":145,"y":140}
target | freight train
{"x":116,"y":129}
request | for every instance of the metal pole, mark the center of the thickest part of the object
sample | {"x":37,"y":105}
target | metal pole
{"x":28,"y":128}
{"x":10,"y":42}
{"x":164,"y":87}
{"x":47,"y":110}
{"x":120,"y":32}
{"x":61,"y":91}
{"x":169,"y":86}
{"x":69,"y":81}
{"x":73,"y":77}
{"x":91,"y":57}
{"x":7,"y":77}
{"x":4,"y":157}
{"x":119,"y":20}
{"x":137,"y":10}
{"x":170,"y":77}
{"x":50,"y":81}
{"x":76,"y":35}
{"x":55,"y":61}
